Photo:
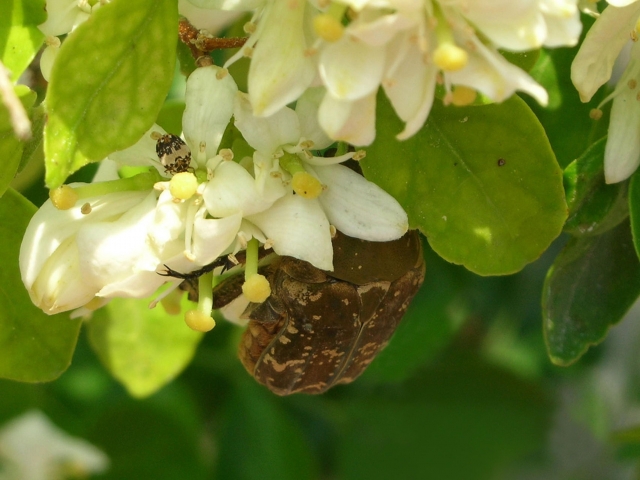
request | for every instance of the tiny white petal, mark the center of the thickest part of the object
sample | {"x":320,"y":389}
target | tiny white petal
{"x":353,"y":122}
{"x":351,"y":69}
{"x":212,"y":237}
{"x":62,"y":16}
{"x":594,"y":62}
{"x":209,"y":106}
{"x":358,"y":207}
{"x":235,"y":5}
{"x":233,"y":190}
{"x":299,"y":228}
{"x":265,"y":134}
{"x":142,"y":153}
{"x":307,"y":110}
{"x":169,"y":220}
{"x":280,"y":68}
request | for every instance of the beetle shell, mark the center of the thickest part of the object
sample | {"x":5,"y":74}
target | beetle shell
{"x":316,"y":330}
{"x":173,"y":153}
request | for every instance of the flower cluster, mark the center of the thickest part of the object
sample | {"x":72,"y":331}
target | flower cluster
{"x":200,"y":202}
{"x":611,"y":52}
{"x":409,"y":48}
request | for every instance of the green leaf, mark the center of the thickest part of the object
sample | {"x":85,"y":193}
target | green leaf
{"x":252,"y":421}
{"x":34,"y":347}
{"x":594,"y":206}
{"x":20,"y":38}
{"x":634,"y":208}
{"x":480,"y":182}
{"x":463,"y":419}
{"x":123,"y":61}
{"x":143,"y":348}
{"x":523,"y":60}
{"x":589,"y":288}
{"x":11,"y":153}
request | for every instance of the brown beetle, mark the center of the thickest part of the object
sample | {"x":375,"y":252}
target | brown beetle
{"x":319,"y":329}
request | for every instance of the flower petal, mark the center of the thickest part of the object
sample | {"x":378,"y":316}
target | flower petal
{"x":233,"y":190}
{"x":266,"y":134}
{"x":594,"y":62}
{"x":209,"y":102}
{"x":299,"y":228}
{"x":351,"y":69}
{"x":563,"y":22}
{"x":280,"y":69}
{"x":142,"y":153}
{"x":235,"y":5}
{"x":622,"y":153}
{"x":307,"y":110}
{"x":358,"y":207}
{"x":212,"y":237}
{"x":351,"y":121}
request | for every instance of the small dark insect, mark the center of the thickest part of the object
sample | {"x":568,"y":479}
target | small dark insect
{"x":501,"y":162}
{"x":319,"y":329}
{"x":173,"y":153}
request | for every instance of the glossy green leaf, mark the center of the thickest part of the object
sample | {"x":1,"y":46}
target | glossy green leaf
{"x":34,"y":347}
{"x":594,"y":206}
{"x":634,"y":208}
{"x":123,"y":61}
{"x":170,"y":116}
{"x":462,"y":419}
{"x":20,"y":38}
{"x":481,"y":183}
{"x":589,"y":288}
{"x":524,"y":60}
{"x":253,"y":423}
{"x":143,"y":348}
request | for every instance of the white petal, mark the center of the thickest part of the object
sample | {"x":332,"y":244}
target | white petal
{"x":490,"y":73}
{"x":307,"y":110}
{"x":212,"y":237}
{"x":266,"y":134}
{"x":47,"y":58}
{"x":563,"y":22}
{"x":269,"y":183}
{"x":353,"y":122}
{"x":280,"y":68}
{"x":621,"y":3}
{"x":50,"y":227}
{"x":605,"y":39}
{"x":168,"y":221}
{"x":111,"y":252}
{"x":622,"y":153}
{"x":510,"y":24}
{"x":411,"y":88}
{"x":62,"y":15}
{"x":214,"y":21}
{"x":299,"y":228}
{"x":233,"y":190}
{"x":209,"y":105}
{"x":358,"y":207}
{"x":142,"y":153}
{"x":380,"y":31}
{"x":237,"y":5}
{"x":351,"y":69}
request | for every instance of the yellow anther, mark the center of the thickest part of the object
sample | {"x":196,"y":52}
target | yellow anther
{"x":63,"y":197}
{"x":306,"y":185}
{"x":256,"y":288}
{"x":183,"y":185}
{"x":327,"y":27}
{"x":462,"y":96}
{"x":198,"y":321}
{"x":595,"y":114}
{"x":450,"y":57}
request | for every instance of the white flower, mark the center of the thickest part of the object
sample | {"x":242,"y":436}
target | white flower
{"x":593,"y":66}
{"x":33,"y":448}
{"x":298,"y":226}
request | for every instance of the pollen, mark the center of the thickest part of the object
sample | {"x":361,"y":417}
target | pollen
{"x":328,"y":28}
{"x":256,"y":288}
{"x":63,"y":197}
{"x":462,"y":96}
{"x":595,"y":114}
{"x":306,"y":185}
{"x":450,"y":57}
{"x":198,"y":321}
{"x":183,"y":185}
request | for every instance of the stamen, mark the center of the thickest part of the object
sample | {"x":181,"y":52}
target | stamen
{"x":64,"y":197}
{"x":200,"y":319}
{"x":462,"y":96}
{"x":183,"y":185}
{"x":595,"y":114}
{"x":328,"y":27}
{"x":303,"y":183}
{"x":85,"y":209}
{"x":447,"y":55}
{"x":255,"y":287}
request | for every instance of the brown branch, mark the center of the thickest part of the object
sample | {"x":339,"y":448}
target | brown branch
{"x":200,"y":43}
